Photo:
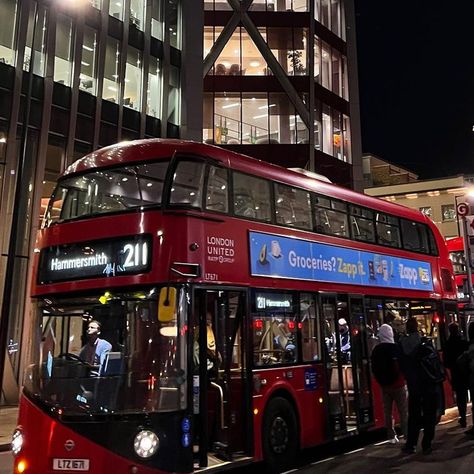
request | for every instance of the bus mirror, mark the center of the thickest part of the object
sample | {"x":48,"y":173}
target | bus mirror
{"x":167,"y":304}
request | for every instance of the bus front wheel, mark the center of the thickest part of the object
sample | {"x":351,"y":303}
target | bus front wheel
{"x":280,"y":434}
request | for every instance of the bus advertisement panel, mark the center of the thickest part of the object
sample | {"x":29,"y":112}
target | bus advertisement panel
{"x":277,"y":256}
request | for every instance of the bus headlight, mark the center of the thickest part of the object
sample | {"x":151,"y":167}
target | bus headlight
{"x":146,"y":443}
{"x":17,"y":441}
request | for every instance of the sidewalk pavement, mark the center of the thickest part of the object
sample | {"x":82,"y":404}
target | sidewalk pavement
{"x":8,"y":418}
{"x":453,"y":452}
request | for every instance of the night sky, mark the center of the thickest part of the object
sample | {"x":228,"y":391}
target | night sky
{"x":416,"y":83}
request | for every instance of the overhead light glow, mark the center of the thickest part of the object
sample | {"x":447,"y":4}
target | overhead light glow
{"x":228,"y":106}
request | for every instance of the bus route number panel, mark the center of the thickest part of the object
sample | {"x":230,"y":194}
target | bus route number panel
{"x":95,"y":259}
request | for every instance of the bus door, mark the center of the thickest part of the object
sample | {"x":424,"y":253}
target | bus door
{"x":220,"y":391}
{"x":337,"y":365}
{"x":360,"y":361}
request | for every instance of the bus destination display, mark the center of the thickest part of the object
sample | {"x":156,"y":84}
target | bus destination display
{"x":102,"y":258}
{"x":274,"y":255}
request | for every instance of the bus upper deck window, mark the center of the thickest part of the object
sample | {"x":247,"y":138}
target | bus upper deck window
{"x":187,"y":185}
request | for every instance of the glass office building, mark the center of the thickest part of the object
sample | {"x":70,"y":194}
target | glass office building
{"x":82,"y":74}
{"x":281,"y":83}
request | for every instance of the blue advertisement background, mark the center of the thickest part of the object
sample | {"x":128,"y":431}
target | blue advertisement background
{"x":274,"y":255}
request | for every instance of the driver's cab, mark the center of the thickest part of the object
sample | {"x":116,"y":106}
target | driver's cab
{"x":109,"y":353}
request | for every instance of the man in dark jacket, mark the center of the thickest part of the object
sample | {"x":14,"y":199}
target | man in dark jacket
{"x":423,"y":393}
{"x":455,"y":346}
{"x":385,"y":361}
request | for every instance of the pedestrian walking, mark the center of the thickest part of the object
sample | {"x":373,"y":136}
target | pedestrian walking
{"x":386,"y":367}
{"x":455,"y":346}
{"x":470,"y":371}
{"x":424,"y":374}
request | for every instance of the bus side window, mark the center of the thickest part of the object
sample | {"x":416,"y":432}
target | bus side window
{"x":251,"y":197}
{"x":217,"y":190}
{"x":293,"y":207}
{"x":188,"y":181}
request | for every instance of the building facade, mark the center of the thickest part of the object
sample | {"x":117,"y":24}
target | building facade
{"x":436,"y":198}
{"x":82,"y":74}
{"x":274,"y":79}
{"x":280,"y":83}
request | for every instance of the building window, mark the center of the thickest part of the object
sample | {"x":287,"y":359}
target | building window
{"x":173,"y":96}
{"x":40,"y":33}
{"x":96,"y":4}
{"x":174,"y":23}
{"x":346,"y":139}
{"x":156,"y":20}
{"x":111,"y":87}
{"x":255,"y":118}
{"x":227,"y":122}
{"x":137,"y":13}
{"x":252,"y":62}
{"x":317,"y":59}
{"x":62,"y":60}
{"x":327,"y":131}
{"x":87,"y":78}
{"x":448,"y":212}
{"x":153,"y":98}
{"x":330,"y":13}
{"x":8,"y":9}
{"x":427,"y":211}
{"x":289,"y":46}
{"x":317,"y":126}
{"x":116,"y":9}
{"x":325,"y":65}
{"x":133,"y":80}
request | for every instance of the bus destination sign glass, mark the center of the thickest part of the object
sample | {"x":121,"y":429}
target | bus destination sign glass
{"x":100,"y":258}
{"x":278,"y":256}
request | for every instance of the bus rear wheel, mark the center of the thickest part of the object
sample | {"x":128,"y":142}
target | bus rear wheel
{"x":279,"y":434}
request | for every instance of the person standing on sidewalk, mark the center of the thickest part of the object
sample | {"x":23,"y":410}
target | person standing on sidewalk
{"x":455,"y":346}
{"x":423,"y":391}
{"x":385,"y":361}
{"x":470,"y":357}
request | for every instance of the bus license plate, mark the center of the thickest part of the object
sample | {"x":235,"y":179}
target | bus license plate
{"x":61,"y":464}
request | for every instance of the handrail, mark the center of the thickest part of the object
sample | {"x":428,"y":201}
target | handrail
{"x":221,"y":397}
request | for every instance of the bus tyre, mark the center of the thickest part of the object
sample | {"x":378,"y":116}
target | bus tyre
{"x":279,"y":434}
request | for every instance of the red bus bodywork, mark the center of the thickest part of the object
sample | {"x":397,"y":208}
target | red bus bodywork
{"x":190,"y":236}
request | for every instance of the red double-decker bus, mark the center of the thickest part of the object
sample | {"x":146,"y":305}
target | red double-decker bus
{"x":194,"y":307}
{"x":457,"y":255}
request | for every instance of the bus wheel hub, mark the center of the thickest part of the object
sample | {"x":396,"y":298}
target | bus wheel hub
{"x":279,"y":435}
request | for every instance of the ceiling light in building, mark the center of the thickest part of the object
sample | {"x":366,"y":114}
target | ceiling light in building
{"x":110,"y":88}
{"x":3,"y":140}
{"x":411,"y":196}
{"x":88,"y":48}
{"x":266,"y":106}
{"x":254,"y":63}
{"x":260,"y":116}
{"x":228,"y":106}
{"x":433,"y":193}
{"x":84,"y":63}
